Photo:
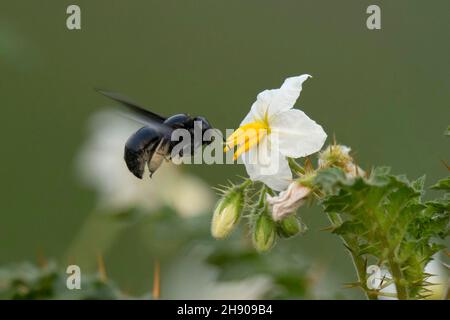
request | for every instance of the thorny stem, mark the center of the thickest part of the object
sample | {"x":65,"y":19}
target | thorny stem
{"x":358,"y":262}
{"x":402,"y":292}
{"x":360,"y":266}
{"x":262,"y":196}
{"x":295,"y":166}
{"x":245,"y":184}
{"x":397,"y":274}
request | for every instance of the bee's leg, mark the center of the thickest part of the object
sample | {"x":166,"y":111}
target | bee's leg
{"x":151,"y":152}
{"x":158,"y":156}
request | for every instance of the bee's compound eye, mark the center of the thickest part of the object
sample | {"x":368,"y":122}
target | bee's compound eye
{"x":204,"y":123}
{"x":205,"y":126}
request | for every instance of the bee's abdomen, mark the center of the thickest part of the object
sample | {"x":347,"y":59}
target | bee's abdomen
{"x":139,"y":149}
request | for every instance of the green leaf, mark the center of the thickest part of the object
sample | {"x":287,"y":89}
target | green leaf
{"x":419,"y":184}
{"x":383,"y":216}
{"x":328,"y":178}
{"x":236,"y":263}
{"x":349,"y":227}
{"x":443,"y":184}
{"x":29,"y":281}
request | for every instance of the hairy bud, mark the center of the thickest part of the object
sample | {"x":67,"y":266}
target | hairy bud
{"x":264,"y":233}
{"x":290,"y":227}
{"x":228,"y":211}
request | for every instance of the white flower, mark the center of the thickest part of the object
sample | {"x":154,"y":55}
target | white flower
{"x":272,"y":131}
{"x":288,"y":201}
{"x":101,"y":166}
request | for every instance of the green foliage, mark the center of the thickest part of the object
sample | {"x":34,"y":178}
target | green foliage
{"x":290,"y":226}
{"x":237,"y":263}
{"x":28,"y":281}
{"x":443,"y":184}
{"x":383,"y":217}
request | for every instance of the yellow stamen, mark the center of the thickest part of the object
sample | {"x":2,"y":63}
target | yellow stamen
{"x":247,"y":131}
{"x":247,"y":136}
{"x":244,"y":147}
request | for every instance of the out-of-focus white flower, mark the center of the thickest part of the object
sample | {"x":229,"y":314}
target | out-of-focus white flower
{"x":339,"y":156}
{"x":288,"y":201}
{"x":101,"y":165}
{"x":272,"y":131}
{"x":439,"y":278}
{"x":438,"y":281}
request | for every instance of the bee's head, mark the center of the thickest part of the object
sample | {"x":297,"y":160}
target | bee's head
{"x":205,"y":125}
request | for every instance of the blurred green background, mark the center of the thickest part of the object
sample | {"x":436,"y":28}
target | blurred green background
{"x":385,"y":93}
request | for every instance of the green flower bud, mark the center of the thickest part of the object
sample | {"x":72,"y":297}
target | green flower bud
{"x":264,"y":233}
{"x":228,"y":211}
{"x":290,"y":226}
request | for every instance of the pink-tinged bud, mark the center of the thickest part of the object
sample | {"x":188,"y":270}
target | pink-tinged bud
{"x":288,"y":201}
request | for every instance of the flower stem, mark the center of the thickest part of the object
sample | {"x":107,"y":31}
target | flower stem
{"x":402,"y":292}
{"x":262,"y":197}
{"x":245,"y":184}
{"x":358,"y":262}
{"x":295,"y":166}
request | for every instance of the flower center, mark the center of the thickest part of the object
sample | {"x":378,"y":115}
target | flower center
{"x":247,"y":136}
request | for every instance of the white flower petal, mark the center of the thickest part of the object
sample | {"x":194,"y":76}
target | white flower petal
{"x":260,"y":107}
{"x":288,"y":201}
{"x":272,"y":102}
{"x":250,"y":117}
{"x":289,"y":92}
{"x":295,"y":134}
{"x":268,"y":167}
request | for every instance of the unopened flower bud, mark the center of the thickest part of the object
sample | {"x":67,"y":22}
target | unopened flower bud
{"x":228,"y":211}
{"x":339,"y":156}
{"x":264,"y":233}
{"x":288,"y":201}
{"x":290,"y":227}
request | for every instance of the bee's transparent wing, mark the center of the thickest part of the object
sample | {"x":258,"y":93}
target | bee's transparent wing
{"x":138,"y":113}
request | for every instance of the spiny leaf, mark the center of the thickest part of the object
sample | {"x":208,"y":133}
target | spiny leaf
{"x":386,"y":218}
{"x":443,"y":184}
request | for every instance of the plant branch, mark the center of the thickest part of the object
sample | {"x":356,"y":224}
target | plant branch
{"x":402,"y":292}
{"x":358,"y":261}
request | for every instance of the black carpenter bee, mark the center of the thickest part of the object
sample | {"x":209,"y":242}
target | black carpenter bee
{"x":152,"y":143}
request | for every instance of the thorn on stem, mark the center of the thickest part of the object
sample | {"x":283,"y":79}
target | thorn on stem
{"x":101,"y":268}
{"x":309,"y":167}
{"x":446,"y":165}
{"x":40,"y":258}
{"x":156,"y":292}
